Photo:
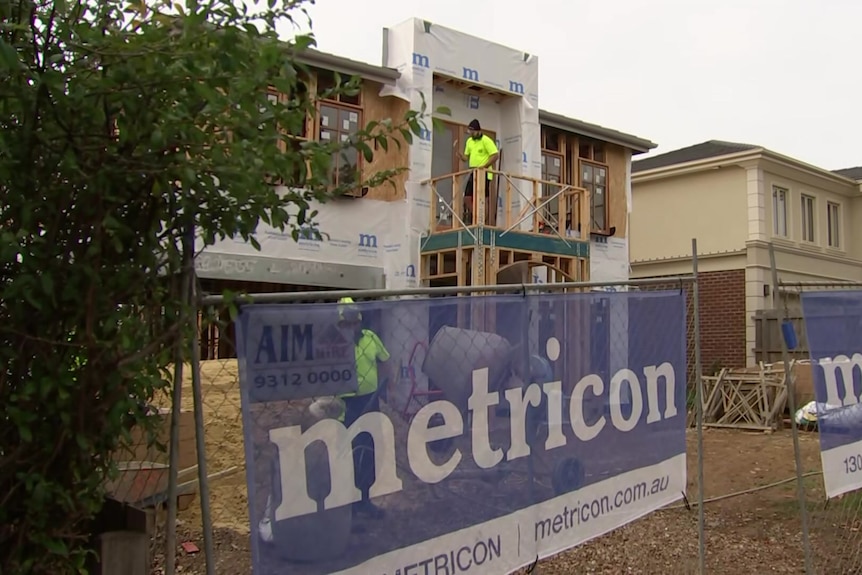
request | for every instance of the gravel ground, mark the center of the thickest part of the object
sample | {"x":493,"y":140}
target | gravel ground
{"x":750,"y":533}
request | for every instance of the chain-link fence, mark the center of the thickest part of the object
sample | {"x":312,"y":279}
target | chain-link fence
{"x":528,"y":336}
{"x":815,"y":324}
{"x":751,"y":519}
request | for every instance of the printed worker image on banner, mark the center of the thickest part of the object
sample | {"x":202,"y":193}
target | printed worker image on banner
{"x":457,"y":435}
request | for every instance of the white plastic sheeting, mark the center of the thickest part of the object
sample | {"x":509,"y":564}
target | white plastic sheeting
{"x":351,"y":231}
{"x":420,"y":50}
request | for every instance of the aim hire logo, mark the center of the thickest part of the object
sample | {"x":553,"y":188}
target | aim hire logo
{"x":292,"y":343}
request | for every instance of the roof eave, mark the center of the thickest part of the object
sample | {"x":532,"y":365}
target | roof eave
{"x":341,"y":65}
{"x":794,"y":163}
{"x":735,"y":159}
{"x":696,"y":165}
{"x":636,"y":144}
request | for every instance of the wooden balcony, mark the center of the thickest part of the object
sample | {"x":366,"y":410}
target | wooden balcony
{"x":541,"y":223}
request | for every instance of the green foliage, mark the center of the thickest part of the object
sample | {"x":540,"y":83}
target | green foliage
{"x":122,"y":124}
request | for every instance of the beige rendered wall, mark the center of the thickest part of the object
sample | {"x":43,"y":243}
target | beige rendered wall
{"x":667,"y":213}
{"x":854,"y":214}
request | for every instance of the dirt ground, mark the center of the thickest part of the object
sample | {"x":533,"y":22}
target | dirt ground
{"x":751,"y":533}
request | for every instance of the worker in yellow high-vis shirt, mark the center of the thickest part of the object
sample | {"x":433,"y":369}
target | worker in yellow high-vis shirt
{"x":369,"y":350}
{"x":480,"y":152}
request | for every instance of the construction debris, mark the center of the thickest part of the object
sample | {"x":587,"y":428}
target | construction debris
{"x":748,"y":398}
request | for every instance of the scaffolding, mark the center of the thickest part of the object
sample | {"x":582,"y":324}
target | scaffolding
{"x":541,"y":224}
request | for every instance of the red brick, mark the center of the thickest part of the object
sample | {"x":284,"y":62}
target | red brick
{"x":722,"y":318}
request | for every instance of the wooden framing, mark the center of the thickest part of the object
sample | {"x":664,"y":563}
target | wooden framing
{"x":471,"y":89}
{"x":571,"y":200}
{"x":367,"y":105}
{"x":575,"y":151}
{"x":455,"y":266}
{"x":745,"y":398}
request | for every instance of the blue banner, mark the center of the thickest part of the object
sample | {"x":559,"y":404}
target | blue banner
{"x":460,"y":434}
{"x":833,"y":325}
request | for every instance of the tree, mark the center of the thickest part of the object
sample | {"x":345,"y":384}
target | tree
{"x":124,"y":124}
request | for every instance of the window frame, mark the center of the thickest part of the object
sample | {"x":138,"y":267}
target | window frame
{"x":785,"y":194}
{"x":833,"y":225}
{"x":338,"y":131}
{"x":590,"y":187}
{"x":553,"y":207}
{"x":355,"y":104}
{"x":808,"y":218}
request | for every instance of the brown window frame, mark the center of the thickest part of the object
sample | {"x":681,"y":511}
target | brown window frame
{"x":591,"y":188}
{"x":340,"y":133}
{"x":553,"y":207}
{"x":350,"y":105}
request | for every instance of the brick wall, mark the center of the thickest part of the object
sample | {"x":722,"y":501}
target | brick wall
{"x":722,"y":319}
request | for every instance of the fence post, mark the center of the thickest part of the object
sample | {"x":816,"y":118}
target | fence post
{"x":197,"y":397}
{"x":176,"y":407}
{"x":791,"y":403}
{"x":698,"y":386}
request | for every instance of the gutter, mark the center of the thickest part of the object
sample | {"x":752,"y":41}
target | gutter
{"x":334,"y":63}
{"x":595,"y":131}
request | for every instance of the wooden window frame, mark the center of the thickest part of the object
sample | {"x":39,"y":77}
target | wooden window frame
{"x":596,"y":152}
{"x":833,"y":225}
{"x":553,"y":207}
{"x":590,"y":187}
{"x":349,"y":107}
{"x":808,"y":218}
{"x":319,"y":128}
{"x":786,"y":196}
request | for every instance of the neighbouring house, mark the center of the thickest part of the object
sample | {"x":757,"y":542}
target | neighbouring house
{"x":735,"y":199}
{"x":562,"y":194}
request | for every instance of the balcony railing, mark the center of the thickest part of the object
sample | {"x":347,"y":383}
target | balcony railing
{"x":549,"y":207}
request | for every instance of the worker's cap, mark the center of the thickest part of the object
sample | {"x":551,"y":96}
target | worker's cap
{"x":474,"y":125}
{"x":348,"y":310}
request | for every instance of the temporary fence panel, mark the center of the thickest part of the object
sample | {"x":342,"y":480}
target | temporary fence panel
{"x":523,"y":438}
{"x":833,"y":322}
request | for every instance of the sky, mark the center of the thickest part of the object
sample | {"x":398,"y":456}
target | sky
{"x":783,"y":74}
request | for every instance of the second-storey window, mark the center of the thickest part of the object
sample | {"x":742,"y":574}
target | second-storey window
{"x":340,"y":117}
{"x":807,"y":218}
{"x":594,"y":179}
{"x":552,"y":171}
{"x":833,"y":223}
{"x":779,"y":211}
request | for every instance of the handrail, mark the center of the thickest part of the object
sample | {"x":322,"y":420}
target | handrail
{"x":447,"y":212}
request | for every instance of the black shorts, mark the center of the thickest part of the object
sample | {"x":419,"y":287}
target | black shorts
{"x":468,"y":190}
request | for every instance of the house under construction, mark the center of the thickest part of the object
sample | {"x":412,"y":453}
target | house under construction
{"x":561,"y":187}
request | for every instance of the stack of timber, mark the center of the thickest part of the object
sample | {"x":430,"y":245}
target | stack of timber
{"x":750,"y":398}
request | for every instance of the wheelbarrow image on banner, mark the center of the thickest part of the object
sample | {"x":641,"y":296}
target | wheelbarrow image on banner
{"x":318,"y":536}
{"x":324,"y":534}
{"x":453,"y":356}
